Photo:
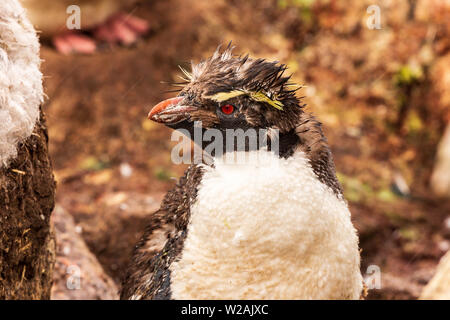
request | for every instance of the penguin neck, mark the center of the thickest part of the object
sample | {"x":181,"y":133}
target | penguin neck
{"x":306,"y":137}
{"x":288,"y":143}
{"x":249,"y":220}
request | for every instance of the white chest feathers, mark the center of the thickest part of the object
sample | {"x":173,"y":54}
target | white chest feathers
{"x":267,"y":231}
{"x":21,"y":90}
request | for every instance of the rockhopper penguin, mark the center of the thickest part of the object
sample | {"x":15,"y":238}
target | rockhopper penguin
{"x":276,"y":229}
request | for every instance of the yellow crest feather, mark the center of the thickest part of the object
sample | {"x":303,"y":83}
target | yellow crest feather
{"x":257,"y":96}
{"x":224,"y":96}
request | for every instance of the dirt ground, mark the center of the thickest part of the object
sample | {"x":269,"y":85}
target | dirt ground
{"x":113,"y":165}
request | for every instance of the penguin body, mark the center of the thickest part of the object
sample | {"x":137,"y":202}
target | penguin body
{"x":268,"y":229}
{"x":275,"y":226}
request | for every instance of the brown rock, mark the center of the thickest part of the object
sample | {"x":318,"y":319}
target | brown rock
{"x":78,"y":274}
{"x":114,"y":228}
{"x":440,"y":179}
{"x":439,"y":286}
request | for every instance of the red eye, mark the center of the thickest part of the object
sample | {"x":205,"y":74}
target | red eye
{"x":227,"y":109}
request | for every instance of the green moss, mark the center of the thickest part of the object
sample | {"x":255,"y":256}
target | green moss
{"x":163,"y":174}
{"x":414,"y":122}
{"x":94,"y":164}
{"x":354,"y":189}
{"x":357,"y":191}
{"x":407,"y":75}
{"x":386,"y":195}
{"x":410,"y":234}
{"x":304,"y":8}
{"x":395,"y":218}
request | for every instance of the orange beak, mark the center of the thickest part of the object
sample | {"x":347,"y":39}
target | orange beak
{"x":170,"y":111}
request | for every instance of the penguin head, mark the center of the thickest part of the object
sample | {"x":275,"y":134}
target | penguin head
{"x":228,"y":92}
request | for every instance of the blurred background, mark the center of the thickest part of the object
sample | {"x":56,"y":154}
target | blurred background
{"x":381,"y":91}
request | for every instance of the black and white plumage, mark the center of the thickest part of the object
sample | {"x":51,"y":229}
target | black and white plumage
{"x":279,"y":229}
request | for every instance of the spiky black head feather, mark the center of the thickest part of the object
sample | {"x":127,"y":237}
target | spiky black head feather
{"x":264,"y":94}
